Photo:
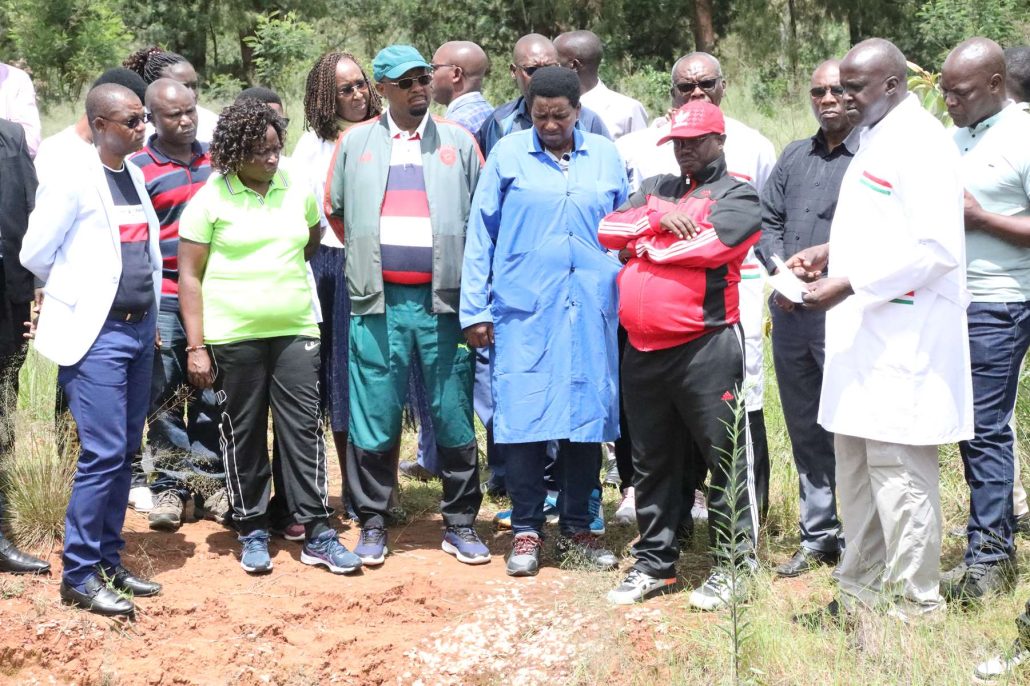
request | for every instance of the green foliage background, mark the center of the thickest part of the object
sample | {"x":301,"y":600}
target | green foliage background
{"x":773,"y":43}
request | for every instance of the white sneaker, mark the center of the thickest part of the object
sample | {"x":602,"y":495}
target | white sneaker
{"x":699,"y":512}
{"x":627,"y":510}
{"x":140,"y":499}
{"x":1002,"y":665}
{"x":636,"y":587}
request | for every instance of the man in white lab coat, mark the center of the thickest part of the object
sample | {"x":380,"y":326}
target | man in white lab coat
{"x":897,"y":378}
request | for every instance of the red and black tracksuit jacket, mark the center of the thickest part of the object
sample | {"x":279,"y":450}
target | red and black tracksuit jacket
{"x":674,"y":290}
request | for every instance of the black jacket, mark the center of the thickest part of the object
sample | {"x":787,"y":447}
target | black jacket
{"x":17,"y":199}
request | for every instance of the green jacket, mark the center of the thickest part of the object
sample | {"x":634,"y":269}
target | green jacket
{"x":451,"y":162}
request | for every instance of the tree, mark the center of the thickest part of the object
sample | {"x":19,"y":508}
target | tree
{"x":66,"y":43}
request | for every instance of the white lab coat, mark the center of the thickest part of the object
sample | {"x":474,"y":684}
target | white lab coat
{"x":897,"y":351}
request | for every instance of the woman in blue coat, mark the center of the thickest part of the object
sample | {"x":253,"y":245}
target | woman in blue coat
{"x":539,"y":288}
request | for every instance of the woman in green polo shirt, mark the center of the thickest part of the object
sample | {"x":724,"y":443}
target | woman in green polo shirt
{"x":250,"y":328}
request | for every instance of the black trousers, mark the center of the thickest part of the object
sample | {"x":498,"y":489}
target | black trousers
{"x":252,"y":376}
{"x":12,"y":355}
{"x":673,"y":397}
{"x":372,"y":477}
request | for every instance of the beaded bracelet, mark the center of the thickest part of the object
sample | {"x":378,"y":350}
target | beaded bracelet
{"x":194,"y":348}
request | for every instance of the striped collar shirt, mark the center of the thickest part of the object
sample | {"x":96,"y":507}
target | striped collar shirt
{"x":405,"y":230}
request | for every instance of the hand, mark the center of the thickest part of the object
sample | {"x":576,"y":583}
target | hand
{"x":37,"y":304}
{"x":826,"y":293}
{"x":680,"y":224}
{"x":625,"y":254}
{"x":972,"y":211}
{"x":810,"y":263}
{"x":198,"y":368}
{"x":782,"y":302}
{"x":157,"y":339}
{"x":480,"y":335}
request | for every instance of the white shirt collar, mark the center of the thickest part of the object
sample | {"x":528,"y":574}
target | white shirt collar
{"x":398,"y":132}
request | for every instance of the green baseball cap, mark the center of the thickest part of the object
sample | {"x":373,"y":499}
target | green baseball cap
{"x":392,"y":61}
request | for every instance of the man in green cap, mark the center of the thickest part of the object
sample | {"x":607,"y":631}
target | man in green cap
{"x":398,"y":197}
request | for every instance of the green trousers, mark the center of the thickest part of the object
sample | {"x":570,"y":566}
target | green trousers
{"x":382,"y":348}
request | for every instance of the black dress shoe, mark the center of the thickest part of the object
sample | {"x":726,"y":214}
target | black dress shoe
{"x":805,"y":560}
{"x":97,"y":598}
{"x":124,"y":580}
{"x":833,"y":616}
{"x":16,"y":562}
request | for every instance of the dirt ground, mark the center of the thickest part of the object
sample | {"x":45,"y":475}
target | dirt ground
{"x":421,"y":618}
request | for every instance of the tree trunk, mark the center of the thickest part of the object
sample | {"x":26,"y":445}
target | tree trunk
{"x":704,"y":31}
{"x":246,"y":55}
{"x":792,"y":39}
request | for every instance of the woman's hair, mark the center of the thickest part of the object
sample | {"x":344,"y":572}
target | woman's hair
{"x":555,"y":82}
{"x":261,"y":94}
{"x":150,"y":62}
{"x":320,"y":95}
{"x":241,"y":128}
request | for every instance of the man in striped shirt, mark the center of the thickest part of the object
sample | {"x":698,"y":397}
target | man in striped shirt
{"x":175,"y":166}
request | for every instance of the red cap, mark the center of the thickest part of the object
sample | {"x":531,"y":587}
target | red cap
{"x":695,"y":119}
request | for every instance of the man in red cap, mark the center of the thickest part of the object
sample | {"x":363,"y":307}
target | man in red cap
{"x":683,"y":239}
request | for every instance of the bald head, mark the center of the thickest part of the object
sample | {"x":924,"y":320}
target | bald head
{"x":534,"y":45}
{"x":116,"y":118}
{"x":697,"y":76}
{"x":460,"y":66}
{"x":581,"y":51}
{"x":532,"y":50}
{"x":873,"y":75}
{"x":1017,"y":73}
{"x":107,"y":98}
{"x":162,"y":90}
{"x":973,"y":81}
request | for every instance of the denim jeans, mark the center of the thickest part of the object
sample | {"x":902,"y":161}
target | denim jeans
{"x":107,"y":392}
{"x":999,"y":334}
{"x":183,"y":431}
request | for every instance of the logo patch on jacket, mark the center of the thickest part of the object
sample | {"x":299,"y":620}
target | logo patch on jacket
{"x":366,"y":157}
{"x":448,"y":155}
{"x":875,"y":183}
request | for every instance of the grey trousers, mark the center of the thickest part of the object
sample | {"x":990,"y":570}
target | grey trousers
{"x":891,"y":506}
{"x":798,"y":341}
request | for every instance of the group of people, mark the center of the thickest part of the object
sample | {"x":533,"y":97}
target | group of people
{"x":582,"y":280}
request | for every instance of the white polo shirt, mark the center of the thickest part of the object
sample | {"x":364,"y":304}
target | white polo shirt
{"x":996,"y":171}
{"x":620,"y":113}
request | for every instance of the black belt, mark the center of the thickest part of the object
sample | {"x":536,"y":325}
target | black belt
{"x":126,"y":316}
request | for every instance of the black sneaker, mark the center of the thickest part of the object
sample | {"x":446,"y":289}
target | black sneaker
{"x":833,"y":616}
{"x":979,"y":581}
{"x":806,"y":560}
{"x":1022,"y":527}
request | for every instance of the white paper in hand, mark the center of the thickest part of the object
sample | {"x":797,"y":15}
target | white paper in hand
{"x":785,"y":283}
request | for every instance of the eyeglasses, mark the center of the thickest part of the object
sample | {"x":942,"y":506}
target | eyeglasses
{"x":406,"y":83}
{"x":820,"y":91}
{"x":705,"y":85}
{"x":529,"y":71}
{"x":349,"y":88}
{"x":692,"y":142}
{"x":132,"y":122}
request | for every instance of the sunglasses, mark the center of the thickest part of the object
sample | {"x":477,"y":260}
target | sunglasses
{"x":689,"y":86}
{"x":406,"y":83}
{"x":820,"y":91}
{"x":132,"y":122}
{"x":349,"y":88}
{"x":529,"y":71}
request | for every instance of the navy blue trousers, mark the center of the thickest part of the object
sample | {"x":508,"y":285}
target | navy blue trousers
{"x":999,"y":334}
{"x":108,"y":392}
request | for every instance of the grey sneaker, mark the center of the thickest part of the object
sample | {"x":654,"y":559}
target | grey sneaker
{"x":166,"y":515}
{"x":585,"y":547}
{"x":954,"y":574}
{"x":979,"y":581}
{"x":216,"y":507}
{"x":524,"y":559}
